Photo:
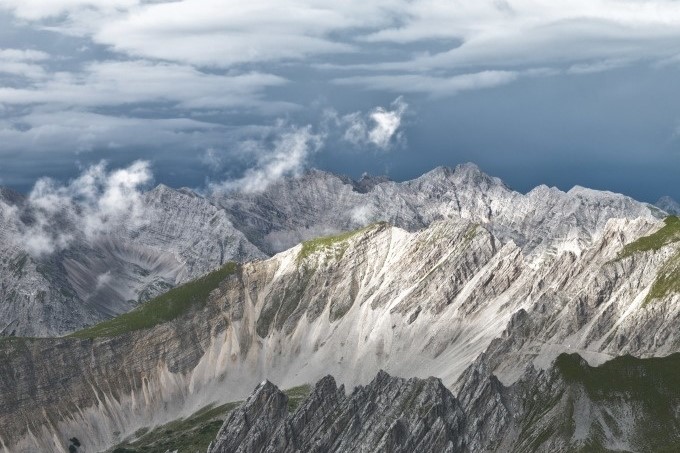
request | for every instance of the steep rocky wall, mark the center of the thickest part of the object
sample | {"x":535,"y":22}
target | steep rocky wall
{"x":415,"y":304}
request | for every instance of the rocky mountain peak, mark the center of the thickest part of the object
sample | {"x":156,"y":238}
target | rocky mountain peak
{"x":367,"y":182}
{"x":166,"y":194}
{"x":186,"y":234}
{"x":261,"y":413}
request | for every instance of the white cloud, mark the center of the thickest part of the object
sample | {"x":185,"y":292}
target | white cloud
{"x":387,"y":123}
{"x":287,"y":156}
{"x":206,"y":32}
{"x":22,"y":55}
{"x":483,"y":37}
{"x":363,"y":215}
{"x":114,"y":83}
{"x":488,"y":34}
{"x":41,"y":9}
{"x":23,"y":63}
{"x":380,"y":128}
{"x":212,"y":159}
{"x":77,"y":131}
{"x":438,"y":86}
{"x":95,"y":203}
{"x":498,"y":34}
{"x":596,"y":66}
{"x":104,"y":280}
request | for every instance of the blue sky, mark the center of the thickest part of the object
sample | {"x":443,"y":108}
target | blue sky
{"x":232,"y":95}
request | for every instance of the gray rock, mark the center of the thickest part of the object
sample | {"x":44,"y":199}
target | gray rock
{"x":389,"y":414}
{"x":669,"y":205}
{"x":185,"y":235}
{"x":626,"y":404}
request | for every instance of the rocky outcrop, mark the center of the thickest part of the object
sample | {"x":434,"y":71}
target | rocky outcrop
{"x":320,"y":203}
{"x":183,"y":236}
{"x":247,"y":427}
{"x":389,"y":414}
{"x":626,"y":404}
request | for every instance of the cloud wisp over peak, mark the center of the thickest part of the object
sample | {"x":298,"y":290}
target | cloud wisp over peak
{"x":96,"y":202}
{"x":287,"y":155}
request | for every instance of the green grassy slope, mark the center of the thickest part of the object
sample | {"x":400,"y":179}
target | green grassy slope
{"x":163,"y":308}
{"x":668,"y":279}
{"x":626,"y":397}
{"x":668,"y":234}
{"x":335,"y":243}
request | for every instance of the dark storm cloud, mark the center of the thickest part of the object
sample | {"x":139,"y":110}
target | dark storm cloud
{"x":244,"y":91}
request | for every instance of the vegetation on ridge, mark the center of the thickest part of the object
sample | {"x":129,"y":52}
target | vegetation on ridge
{"x":650,"y":386}
{"x":334,"y":243}
{"x":667,"y":234}
{"x":667,"y":280}
{"x":164,"y":308}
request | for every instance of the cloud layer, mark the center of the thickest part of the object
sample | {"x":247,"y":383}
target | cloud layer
{"x":182,"y":80}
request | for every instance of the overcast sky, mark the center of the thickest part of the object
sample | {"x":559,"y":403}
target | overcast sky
{"x":232,"y":95}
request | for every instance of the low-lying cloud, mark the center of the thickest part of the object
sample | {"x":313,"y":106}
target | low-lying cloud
{"x":97,"y":202}
{"x":289,"y":152}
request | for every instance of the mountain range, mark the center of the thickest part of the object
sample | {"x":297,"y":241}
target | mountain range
{"x":548,"y":320}
{"x":186,"y":235}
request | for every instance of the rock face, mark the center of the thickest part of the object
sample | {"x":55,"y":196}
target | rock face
{"x":416,"y":304}
{"x":320,"y":203}
{"x":626,"y":404}
{"x":669,"y":205}
{"x":186,"y":235}
{"x":389,"y":414}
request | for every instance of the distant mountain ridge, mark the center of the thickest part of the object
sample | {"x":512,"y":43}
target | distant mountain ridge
{"x":187,"y":235}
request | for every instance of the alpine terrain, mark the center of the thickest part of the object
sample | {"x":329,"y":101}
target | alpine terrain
{"x":448,"y":313}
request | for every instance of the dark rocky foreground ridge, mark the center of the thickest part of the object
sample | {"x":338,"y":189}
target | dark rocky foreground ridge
{"x":626,"y":404}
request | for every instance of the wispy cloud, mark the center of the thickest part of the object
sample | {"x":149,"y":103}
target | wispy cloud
{"x":115,"y":83}
{"x":39,"y":9}
{"x":73,"y":131}
{"x":436,"y":86}
{"x":24,"y":63}
{"x":287,"y":155}
{"x":380,"y":127}
{"x":97,"y":202}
